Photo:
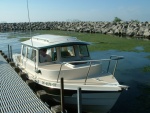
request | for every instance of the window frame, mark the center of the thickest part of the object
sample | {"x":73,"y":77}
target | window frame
{"x":31,"y":57}
{"x":24,"y":52}
{"x":87,"y":51}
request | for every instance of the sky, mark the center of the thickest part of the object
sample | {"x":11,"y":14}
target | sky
{"x":73,"y":10}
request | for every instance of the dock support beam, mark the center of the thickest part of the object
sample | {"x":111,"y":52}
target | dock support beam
{"x":62,"y":96}
{"x":79,"y":100}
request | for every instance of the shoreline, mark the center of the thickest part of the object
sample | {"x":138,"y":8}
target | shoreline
{"x":132,"y":29}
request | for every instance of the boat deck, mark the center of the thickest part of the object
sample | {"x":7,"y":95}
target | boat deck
{"x":16,"y":96}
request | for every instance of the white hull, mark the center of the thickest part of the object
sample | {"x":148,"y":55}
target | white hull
{"x":100,"y":102}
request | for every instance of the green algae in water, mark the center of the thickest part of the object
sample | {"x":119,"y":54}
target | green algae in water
{"x":148,"y":57}
{"x":146,"y":69}
{"x":23,"y":39}
{"x":12,"y":36}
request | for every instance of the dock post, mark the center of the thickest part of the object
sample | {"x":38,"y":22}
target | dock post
{"x":79,"y":100}
{"x":62,"y":96}
{"x":8,"y":52}
{"x":11,"y":54}
{"x":8,"y":59}
{"x":2,"y":54}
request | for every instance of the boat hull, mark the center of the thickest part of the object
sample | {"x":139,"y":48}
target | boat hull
{"x":92,"y":101}
{"x":95,"y":102}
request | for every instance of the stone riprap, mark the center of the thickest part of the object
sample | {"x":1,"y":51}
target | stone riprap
{"x":130,"y":28}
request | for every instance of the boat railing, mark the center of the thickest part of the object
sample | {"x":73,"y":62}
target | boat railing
{"x":112,"y":58}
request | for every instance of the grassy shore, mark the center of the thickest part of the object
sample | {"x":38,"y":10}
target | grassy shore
{"x":103,"y":42}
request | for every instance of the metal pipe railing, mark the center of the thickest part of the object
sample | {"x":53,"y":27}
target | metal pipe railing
{"x":116,"y":58}
{"x":59,"y":71}
{"x":88,"y":73}
{"x":90,"y":65}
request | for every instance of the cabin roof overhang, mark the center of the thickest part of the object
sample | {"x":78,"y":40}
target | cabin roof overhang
{"x":42,"y":41}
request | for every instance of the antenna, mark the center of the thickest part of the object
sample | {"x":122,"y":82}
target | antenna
{"x":29,"y":21}
{"x":30,"y":28}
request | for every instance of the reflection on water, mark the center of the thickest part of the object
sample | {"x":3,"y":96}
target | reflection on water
{"x":129,"y":72}
{"x":139,"y":48}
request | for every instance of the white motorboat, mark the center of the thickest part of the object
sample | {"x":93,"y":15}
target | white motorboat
{"x":47,"y":58}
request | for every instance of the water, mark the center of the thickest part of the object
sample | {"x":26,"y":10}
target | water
{"x":14,"y":42}
{"x":129,"y":72}
{"x":139,"y":48}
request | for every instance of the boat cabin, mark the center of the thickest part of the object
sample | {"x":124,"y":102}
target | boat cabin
{"x":53,"y":55}
{"x":54,"y":49}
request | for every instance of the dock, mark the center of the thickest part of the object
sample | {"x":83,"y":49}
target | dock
{"x":16,"y":96}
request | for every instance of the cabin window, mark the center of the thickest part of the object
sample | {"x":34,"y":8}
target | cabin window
{"x":52,"y":53}
{"x":47,"y":55}
{"x":24,"y":51}
{"x":83,"y":51}
{"x":67,"y":51}
{"x":31,"y":54}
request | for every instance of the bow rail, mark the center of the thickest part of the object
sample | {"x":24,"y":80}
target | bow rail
{"x":112,"y":58}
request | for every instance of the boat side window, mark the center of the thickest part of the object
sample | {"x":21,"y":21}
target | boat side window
{"x":31,"y":54}
{"x":67,"y":51}
{"x":24,"y":51}
{"x":83,"y":51}
{"x":47,"y":55}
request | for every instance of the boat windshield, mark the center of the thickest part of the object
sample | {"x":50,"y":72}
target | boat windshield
{"x":67,"y":51}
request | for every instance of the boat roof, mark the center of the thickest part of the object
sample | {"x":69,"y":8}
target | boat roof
{"x":47,"y":40}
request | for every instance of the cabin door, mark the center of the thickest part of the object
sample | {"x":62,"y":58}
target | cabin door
{"x":31,"y":61}
{"x":23,"y":56}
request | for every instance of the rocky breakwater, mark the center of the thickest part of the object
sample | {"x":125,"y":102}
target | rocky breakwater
{"x":128,"y":28}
